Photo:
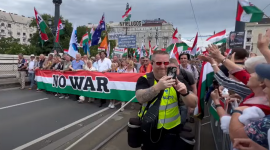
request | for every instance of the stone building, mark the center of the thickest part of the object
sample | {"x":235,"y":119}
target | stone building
{"x":158,"y":31}
{"x":16,"y":26}
{"x":253,"y":29}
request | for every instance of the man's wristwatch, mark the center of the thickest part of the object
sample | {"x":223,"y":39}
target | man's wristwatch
{"x":184,"y":95}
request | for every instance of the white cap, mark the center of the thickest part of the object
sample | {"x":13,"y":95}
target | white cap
{"x":32,"y":55}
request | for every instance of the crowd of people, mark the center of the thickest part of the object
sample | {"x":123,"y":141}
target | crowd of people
{"x":241,"y":83}
{"x":241,"y":94}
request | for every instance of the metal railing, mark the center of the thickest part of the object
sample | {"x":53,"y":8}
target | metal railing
{"x":222,"y":140}
{"x":8,"y":70}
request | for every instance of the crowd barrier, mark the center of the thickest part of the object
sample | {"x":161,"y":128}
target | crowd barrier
{"x":222,"y":140}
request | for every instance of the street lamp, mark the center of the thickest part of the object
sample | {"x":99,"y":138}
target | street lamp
{"x":57,"y":4}
{"x":156,"y":36}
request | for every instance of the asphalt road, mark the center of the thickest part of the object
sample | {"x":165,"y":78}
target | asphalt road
{"x":27,"y":115}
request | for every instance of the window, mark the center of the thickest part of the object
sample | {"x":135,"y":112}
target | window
{"x":2,"y":31}
{"x":30,"y":35}
{"x":18,"y":33}
{"x":247,"y":47}
{"x":9,"y":25}
{"x":249,"y":32}
{"x":24,"y":34}
{"x":248,"y":39}
{"x":18,"y":39}
{"x":2,"y":24}
{"x":24,"y":40}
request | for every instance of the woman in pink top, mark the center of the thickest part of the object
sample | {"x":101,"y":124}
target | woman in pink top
{"x":130,"y":67}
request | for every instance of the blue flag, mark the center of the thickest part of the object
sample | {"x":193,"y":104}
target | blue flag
{"x":97,"y":34}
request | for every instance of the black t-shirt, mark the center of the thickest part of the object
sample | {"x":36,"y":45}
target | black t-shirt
{"x":142,"y":83}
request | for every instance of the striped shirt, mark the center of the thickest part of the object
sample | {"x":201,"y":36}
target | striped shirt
{"x":238,"y":87}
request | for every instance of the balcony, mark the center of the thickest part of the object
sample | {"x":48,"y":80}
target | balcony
{"x":2,"y":33}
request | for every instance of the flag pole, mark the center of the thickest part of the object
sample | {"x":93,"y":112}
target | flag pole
{"x":54,"y":36}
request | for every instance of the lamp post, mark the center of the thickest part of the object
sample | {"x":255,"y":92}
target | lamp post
{"x":53,"y":26}
{"x":156,"y":36}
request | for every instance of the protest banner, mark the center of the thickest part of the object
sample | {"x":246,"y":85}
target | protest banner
{"x":117,"y":86}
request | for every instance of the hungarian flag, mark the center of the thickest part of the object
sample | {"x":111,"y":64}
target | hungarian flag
{"x":247,"y":12}
{"x":181,"y":47}
{"x":150,"y":50}
{"x":194,"y":47}
{"x":155,"y":48}
{"x":85,"y":43}
{"x":174,"y":38}
{"x":220,"y":37}
{"x":127,"y":15}
{"x":59,"y":31}
{"x":174,"y":53}
{"x":91,"y":35}
{"x":205,"y":81}
{"x":41,"y":25}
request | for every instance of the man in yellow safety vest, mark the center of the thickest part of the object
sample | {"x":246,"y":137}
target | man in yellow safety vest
{"x":163,"y":131}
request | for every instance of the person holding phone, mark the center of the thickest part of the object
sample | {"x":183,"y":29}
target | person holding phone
{"x":167,"y":90}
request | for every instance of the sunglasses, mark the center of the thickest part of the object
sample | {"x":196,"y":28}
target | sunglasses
{"x":160,"y":63}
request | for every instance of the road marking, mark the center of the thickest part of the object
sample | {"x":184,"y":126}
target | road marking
{"x":1,"y":108}
{"x":60,"y":130}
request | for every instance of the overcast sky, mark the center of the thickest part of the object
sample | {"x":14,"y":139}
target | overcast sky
{"x":212,"y":15}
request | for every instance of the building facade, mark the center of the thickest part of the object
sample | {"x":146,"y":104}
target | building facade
{"x":16,"y":26}
{"x":158,"y":31}
{"x":252,"y":32}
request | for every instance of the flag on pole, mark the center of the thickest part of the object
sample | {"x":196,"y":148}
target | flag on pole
{"x":220,"y":37}
{"x":73,"y":49}
{"x":97,"y":33}
{"x":108,"y":50}
{"x":205,"y":81}
{"x":150,"y":50}
{"x":104,"y":43}
{"x":174,"y":53}
{"x":59,"y":31}
{"x":174,"y":38}
{"x":41,"y":26}
{"x":85,"y":43}
{"x":155,"y":48}
{"x":127,"y":15}
{"x":194,"y":47}
{"x":247,"y":12}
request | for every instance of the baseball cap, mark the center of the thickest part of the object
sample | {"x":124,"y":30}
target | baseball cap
{"x":32,"y":55}
{"x":263,"y":71}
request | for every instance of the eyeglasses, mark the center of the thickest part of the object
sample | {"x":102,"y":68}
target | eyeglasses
{"x":160,"y":63}
{"x":145,"y":60}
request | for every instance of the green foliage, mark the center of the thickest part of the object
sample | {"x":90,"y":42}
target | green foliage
{"x":12,"y":46}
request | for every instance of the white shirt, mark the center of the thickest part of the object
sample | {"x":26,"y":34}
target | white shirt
{"x":31,"y":66}
{"x":104,"y":65}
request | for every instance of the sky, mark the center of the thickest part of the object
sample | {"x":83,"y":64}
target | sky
{"x":211,"y":15}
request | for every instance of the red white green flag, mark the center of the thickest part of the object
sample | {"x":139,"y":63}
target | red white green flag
{"x":220,"y":37}
{"x":89,"y":84}
{"x":205,"y":81}
{"x":41,"y":25}
{"x":127,"y":15}
{"x":59,"y":31}
{"x":247,"y":12}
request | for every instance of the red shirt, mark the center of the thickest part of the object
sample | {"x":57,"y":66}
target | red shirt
{"x":244,"y":76}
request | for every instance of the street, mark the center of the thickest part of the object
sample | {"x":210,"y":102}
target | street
{"x":27,"y":115}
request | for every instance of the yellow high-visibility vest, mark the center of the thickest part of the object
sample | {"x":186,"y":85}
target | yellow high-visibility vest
{"x":169,"y":115}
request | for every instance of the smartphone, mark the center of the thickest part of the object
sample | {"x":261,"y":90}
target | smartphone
{"x":171,"y":71}
{"x":216,"y":86}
